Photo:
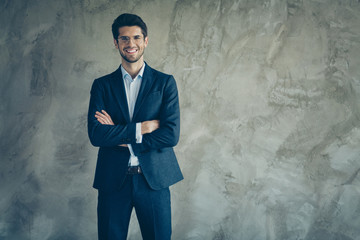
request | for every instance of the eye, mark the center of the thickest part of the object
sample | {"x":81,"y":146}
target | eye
{"x":124,"y":38}
{"x":137,"y":37}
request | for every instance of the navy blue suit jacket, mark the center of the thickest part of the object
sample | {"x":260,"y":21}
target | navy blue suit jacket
{"x":157,"y":99}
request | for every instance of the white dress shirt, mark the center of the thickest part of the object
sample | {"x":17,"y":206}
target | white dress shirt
{"x":132,"y":87}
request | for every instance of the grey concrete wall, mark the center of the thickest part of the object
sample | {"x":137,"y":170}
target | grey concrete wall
{"x":270,"y":110}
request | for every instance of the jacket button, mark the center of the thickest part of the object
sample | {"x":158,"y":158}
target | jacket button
{"x":128,"y":139}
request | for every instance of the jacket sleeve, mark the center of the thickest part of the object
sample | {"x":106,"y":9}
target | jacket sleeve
{"x":102,"y":135}
{"x":167,"y":135}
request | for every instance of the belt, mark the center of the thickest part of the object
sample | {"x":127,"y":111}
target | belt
{"x":134,"y":170}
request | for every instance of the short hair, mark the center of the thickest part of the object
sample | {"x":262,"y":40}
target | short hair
{"x":128,"y":19}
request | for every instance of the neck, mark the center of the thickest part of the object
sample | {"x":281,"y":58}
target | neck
{"x":133,"y":68}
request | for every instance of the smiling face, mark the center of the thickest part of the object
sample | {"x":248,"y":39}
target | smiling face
{"x":131,"y":43}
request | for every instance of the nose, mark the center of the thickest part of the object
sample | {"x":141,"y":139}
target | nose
{"x":131,"y":42}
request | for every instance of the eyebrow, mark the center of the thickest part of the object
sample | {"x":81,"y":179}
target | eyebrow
{"x":137,"y":35}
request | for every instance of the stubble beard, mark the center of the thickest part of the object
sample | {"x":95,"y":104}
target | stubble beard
{"x":131,"y":61}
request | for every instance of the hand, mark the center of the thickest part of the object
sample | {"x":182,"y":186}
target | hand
{"x":104,"y":118}
{"x":149,"y":126}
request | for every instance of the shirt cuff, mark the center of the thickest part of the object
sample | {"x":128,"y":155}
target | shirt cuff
{"x":138,"y":133}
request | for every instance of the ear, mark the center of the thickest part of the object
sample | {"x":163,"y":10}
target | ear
{"x":116,"y":44}
{"x":146,"y":40}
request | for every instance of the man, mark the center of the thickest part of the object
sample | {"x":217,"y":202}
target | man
{"x":134,"y":118}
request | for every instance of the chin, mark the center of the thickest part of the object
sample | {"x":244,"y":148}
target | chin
{"x":134,"y":60}
{"x":131,"y":60}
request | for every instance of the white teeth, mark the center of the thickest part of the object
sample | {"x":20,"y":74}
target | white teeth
{"x":131,"y":51}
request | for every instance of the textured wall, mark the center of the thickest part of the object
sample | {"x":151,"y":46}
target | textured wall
{"x":270,"y":104}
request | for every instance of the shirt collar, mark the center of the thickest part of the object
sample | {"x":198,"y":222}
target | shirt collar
{"x":125,"y":74}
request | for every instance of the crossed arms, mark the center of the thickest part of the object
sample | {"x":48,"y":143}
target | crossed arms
{"x":159,"y":133}
{"x":146,"y":127}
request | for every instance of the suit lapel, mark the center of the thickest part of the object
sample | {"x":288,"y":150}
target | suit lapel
{"x":146,"y":83}
{"x":120,"y":94}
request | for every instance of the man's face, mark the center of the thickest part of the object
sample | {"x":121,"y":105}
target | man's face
{"x":131,"y":43}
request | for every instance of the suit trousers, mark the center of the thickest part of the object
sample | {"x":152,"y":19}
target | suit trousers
{"x":152,"y":207}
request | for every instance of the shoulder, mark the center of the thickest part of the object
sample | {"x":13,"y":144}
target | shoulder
{"x":105,"y":80}
{"x":160,"y":76}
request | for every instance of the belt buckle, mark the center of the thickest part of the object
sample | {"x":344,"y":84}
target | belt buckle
{"x":134,"y":170}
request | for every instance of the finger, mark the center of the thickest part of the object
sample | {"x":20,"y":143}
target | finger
{"x":106,"y":120}
{"x":100,"y":114}
{"x":101,"y":119}
{"x":108,"y":117}
{"x":105,"y":113}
